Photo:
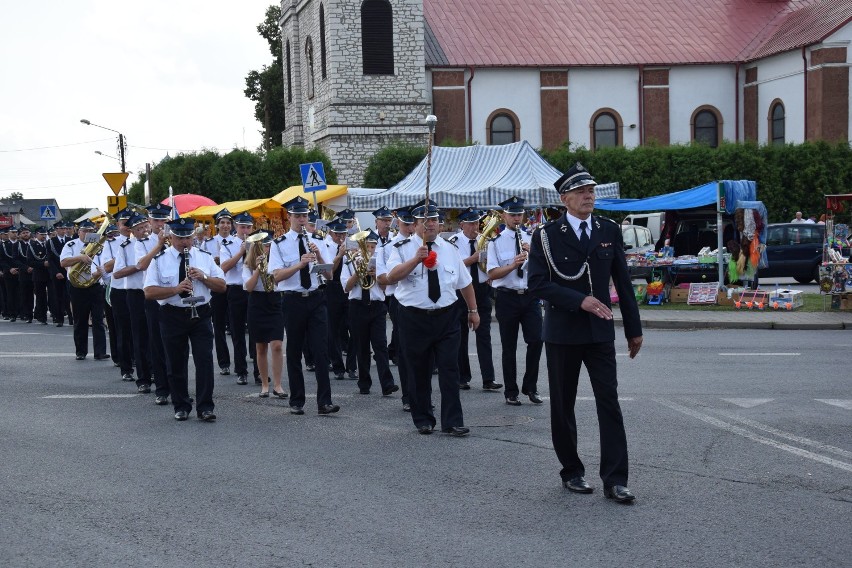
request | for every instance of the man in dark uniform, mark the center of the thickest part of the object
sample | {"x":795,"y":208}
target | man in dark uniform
{"x":25,"y":275}
{"x":571,"y":263}
{"x":4,"y":237}
{"x":170,"y":278}
{"x":58,"y":276}
{"x":13,"y":269}
{"x":37,"y":260}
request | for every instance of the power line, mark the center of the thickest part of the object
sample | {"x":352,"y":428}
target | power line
{"x":47,"y":186}
{"x":59,"y":146}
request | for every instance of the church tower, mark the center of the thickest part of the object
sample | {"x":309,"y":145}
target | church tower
{"x":354,"y":78}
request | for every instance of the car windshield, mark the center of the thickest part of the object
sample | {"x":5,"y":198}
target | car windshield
{"x":629,"y":237}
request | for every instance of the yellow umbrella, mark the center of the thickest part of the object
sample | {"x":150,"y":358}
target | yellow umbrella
{"x":255,"y":207}
{"x":295,"y":190}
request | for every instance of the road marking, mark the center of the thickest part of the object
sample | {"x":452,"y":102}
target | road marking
{"x":759,"y":354}
{"x":91,"y":396}
{"x":748,"y":402}
{"x":593,"y":398}
{"x":28,"y":354}
{"x":26,"y":333}
{"x":847,"y":404}
{"x":755,"y":437}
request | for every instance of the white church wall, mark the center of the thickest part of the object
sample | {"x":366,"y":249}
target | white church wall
{"x":781,"y":77}
{"x":590,"y":90}
{"x":513,"y":89}
{"x":694,"y":86}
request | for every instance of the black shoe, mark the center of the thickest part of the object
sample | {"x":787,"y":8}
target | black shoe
{"x":620,"y":493}
{"x":43,"y":322}
{"x":281,"y":394}
{"x":352,"y":375}
{"x":161,"y":400}
{"x":13,"y":320}
{"x":224,"y":370}
{"x":465,"y":386}
{"x":513,"y":401}
{"x":80,"y":357}
{"x":181,"y":415}
{"x":102,"y":357}
{"x":257,"y":381}
{"x":338,"y":376}
{"x":328,"y":409}
{"x":296,"y":410}
{"x":390,"y":390}
{"x":363,"y":391}
{"x":264,"y":394}
{"x":457,"y":431}
{"x":59,"y":324}
{"x":143,"y":389}
{"x":425,"y":430}
{"x":578,"y":485}
{"x":242,"y":379}
{"x":310,"y":368}
{"x":534,"y":398}
{"x":491,"y":386}
{"x":207,"y":416}
{"x":29,"y":320}
{"x":127,"y":377}
{"x":406,"y":407}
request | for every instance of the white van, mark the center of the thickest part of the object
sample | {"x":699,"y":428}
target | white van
{"x":654,"y":222}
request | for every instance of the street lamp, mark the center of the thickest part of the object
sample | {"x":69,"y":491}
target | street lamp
{"x":99,"y":153}
{"x":122,"y":146}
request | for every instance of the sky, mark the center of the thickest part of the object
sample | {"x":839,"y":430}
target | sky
{"x":168,"y":75}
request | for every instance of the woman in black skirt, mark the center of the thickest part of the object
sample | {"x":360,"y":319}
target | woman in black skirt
{"x":265,"y":321}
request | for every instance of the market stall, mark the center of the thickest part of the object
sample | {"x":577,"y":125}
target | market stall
{"x":835,"y":274}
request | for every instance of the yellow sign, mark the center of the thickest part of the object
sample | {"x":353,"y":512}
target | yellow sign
{"x":115,"y":181}
{"x":116,"y":204}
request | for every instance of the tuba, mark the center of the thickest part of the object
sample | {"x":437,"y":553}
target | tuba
{"x":80,"y":275}
{"x":489,"y":228}
{"x":266,"y":278}
{"x":360,"y":260}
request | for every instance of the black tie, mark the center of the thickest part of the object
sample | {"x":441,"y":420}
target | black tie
{"x":518,"y":251}
{"x":474,"y":268}
{"x":182,"y":273}
{"x":304,"y":273}
{"x":365,"y":295}
{"x":584,"y":237}
{"x":434,"y":287}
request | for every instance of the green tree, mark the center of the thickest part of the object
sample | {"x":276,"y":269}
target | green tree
{"x":391,"y":164}
{"x":266,"y":87}
{"x":14,"y":196}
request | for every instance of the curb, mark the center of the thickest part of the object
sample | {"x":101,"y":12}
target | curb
{"x":781,"y":326}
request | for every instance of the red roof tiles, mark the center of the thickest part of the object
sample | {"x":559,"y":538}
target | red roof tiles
{"x":500,"y":33}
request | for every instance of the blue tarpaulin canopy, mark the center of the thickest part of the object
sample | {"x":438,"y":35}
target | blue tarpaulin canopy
{"x":707,"y":194}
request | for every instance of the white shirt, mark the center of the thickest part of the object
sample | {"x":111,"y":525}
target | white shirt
{"x":246,"y":274}
{"x":126,"y":256}
{"x":463,"y":243}
{"x":413,"y":290}
{"x":108,"y":254}
{"x":230,"y":247}
{"x":502,"y":251}
{"x":74,"y":248}
{"x":284,"y":253}
{"x":212,"y":245}
{"x":346,"y":272}
{"x":164,"y":272}
{"x":118,"y":283}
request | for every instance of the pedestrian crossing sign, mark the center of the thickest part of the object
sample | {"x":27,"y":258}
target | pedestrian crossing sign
{"x":313,"y":176}
{"x":47,"y":212}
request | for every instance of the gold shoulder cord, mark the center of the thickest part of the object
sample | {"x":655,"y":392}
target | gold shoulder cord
{"x":551,"y":266}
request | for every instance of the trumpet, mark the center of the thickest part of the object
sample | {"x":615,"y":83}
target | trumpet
{"x":80,"y":274}
{"x":489,"y":228}
{"x":360,"y":260}
{"x":194,"y":311}
{"x":266,"y":279}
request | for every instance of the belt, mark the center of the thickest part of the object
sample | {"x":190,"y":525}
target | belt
{"x":187,"y":309}
{"x":432,"y":312}
{"x":512,"y":290}
{"x":305,"y":294}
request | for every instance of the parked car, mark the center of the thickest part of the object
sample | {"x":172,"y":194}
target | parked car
{"x":794,"y":250}
{"x":637,"y":239}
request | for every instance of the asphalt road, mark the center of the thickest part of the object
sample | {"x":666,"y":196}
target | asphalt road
{"x":740,"y":442}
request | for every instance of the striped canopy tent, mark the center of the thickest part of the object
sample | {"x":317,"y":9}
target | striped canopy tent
{"x":473,"y":176}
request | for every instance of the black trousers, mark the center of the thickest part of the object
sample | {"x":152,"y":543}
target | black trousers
{"x":238,"y":312}
{"x":40,"y":294}
{"x":179,"y":332}
{"x":404,"y":379}
{"x":158,"y":349}
{"x":123,"y":330}
{"x":306,"y":321}
{"x":563,"y":371}
{"x":61,"y":300}
{"x":3,"y":296}
{"x":89,"y":303}
{"x":337,"y":317}
{"x":516,"y":311}
{"x":112,"y":333}
{"x":13,"y":297}
{"x":141,"y":346}
{"x":219,"y":303}
{"x":25,"y":289}
{"x":368,"y":326}
{"x":484,"y":352}
{"x":393,"y":346}
{"x":424,"y":338}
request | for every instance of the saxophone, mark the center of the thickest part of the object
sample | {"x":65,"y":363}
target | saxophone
{"x":360,"y":260}
{"x":489,"y":228}
{"x":266,"y":278}
{"x":80,"y":275}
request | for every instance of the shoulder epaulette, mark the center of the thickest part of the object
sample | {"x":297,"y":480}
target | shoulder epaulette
{"x":69,"y":244}
{"x":159,"y":254}
{"x":208,"y":239}
{"x":280,"y":239}
{"x":318,"y":237}
{"x":602,"y":218}
{"x":402,"y":242}
{"x":204,"y":251}
{"x":124,"y":244}
{"x":145,"y":239}
{"x":227,"y":242}
{"x":494,"y":238}
{"x":452,"y":241}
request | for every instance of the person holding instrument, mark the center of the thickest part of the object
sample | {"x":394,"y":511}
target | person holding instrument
{"x":181,"y":279}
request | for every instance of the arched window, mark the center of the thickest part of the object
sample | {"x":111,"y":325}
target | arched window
{"x":322,"y":41}
{"x":777,"y":119}
{"x":707,"y":126}
{"x":605,"y":129}
{"x":309,"y":60}
{"x":502,"y":127}
{"x":289,"y":75}
{"x":377,"y":37}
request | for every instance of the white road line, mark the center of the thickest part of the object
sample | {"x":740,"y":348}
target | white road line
{"x":593,"y":398}
{"x":25,"y":333}
{"x":755,"y":437}
{"x":759,"y":354}
{"x":847,"y":404}
{"x":18,"y":355}
{"x":91,"y":396}
{"x":748,"y":402}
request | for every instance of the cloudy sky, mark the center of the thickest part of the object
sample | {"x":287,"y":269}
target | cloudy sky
{"x":169,"y":75}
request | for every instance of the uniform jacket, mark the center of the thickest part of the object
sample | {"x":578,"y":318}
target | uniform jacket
{"x":564,"y":321}
{"x":21,"y":259}
{"x":54,"y":249}
{"x":36,"y":255}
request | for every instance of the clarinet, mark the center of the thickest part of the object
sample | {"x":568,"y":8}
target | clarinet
{"x":193,"y":310}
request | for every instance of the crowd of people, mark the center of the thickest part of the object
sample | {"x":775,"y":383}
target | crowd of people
{"x":329,"y":292}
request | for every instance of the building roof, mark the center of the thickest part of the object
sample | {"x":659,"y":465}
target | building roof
{"x":30,"y":208}
{"x":542,"y":33}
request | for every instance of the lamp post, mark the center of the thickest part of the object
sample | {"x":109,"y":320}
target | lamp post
{"x":122,"y":146}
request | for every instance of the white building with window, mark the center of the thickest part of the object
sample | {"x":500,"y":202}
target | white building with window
{"x":603,"y":73}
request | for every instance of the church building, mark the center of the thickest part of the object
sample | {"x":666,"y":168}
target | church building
{"x":360,"y":74}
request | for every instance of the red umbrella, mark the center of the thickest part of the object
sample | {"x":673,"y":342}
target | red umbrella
{"x":189,"y":202}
